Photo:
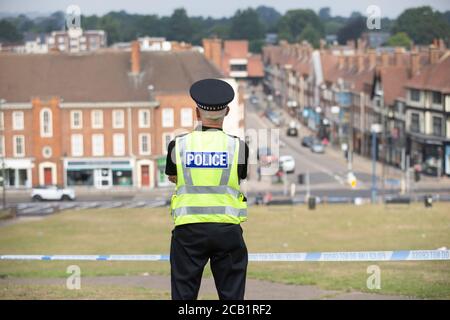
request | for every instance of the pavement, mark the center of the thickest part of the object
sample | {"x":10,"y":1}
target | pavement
{"x":255,"y":289}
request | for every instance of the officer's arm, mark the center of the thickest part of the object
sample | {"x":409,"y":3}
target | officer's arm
{"x":171,"y":168}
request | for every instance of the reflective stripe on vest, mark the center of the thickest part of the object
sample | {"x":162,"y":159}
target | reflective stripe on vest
{"x":182,"y":211}
{"x":208,"y":189}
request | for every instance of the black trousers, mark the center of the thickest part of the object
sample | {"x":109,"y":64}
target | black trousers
{"x":191,"y":248}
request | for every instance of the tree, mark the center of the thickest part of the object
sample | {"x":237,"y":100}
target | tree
{"x":246,"y":25}
{"x":268,"y":16}
{"x":352,"y":30}
{"x":311,"y":35}
{"x":325,"y":13}
{"x":293,"y":22}
{"x":422,"y":24}
{"x":180,"y":27}
{"x":8,"y":32}
{"x":400,"y":39}
{"x":111,"y":27}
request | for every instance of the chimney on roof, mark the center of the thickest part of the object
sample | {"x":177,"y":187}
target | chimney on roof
{"x":433,"y":53}
{"x":341,"y":61}
{"x":135,"y":58}
{"x":441,"y":44}
{"x":360,"y":64}
{"x":398,"y":56}
{"x":322,"y":44}
{"x":372,"y":58}
{"x":212,"y":49}
{"x":415,"y":65}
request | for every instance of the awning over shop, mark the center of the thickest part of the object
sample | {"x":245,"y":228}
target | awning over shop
{"x":99,"y":164}
{"x":17,"y":164}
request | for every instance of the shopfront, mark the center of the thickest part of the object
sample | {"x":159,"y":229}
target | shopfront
{"x":99,"y":173}
{"x":17,"y":173}
{"x":163,"y":181}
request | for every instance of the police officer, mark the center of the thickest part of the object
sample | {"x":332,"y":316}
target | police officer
{"x":207,"y":165}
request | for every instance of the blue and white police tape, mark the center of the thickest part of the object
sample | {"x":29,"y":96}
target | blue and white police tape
{"x":405,"y":255}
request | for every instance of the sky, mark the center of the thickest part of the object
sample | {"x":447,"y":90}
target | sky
{"x":389,"y":8}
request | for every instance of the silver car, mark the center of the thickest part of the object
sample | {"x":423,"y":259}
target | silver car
{"x":317,"y":147}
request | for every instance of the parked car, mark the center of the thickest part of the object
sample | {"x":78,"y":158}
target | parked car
{"x":292,"y":132}
{"x":274,"y":117}
{"x":317,"y":146}
{"x":287,"y":164}
{"x":52,"y":193}
{"x":307,"y":141}
{"x":254,"y":99}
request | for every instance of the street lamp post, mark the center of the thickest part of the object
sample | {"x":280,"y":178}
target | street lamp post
{"x":375,"y":129}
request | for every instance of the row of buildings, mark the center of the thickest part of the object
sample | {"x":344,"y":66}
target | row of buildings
{"x":62,"y":41}
{"x":101,"y":119}
{"x":341,"y":91}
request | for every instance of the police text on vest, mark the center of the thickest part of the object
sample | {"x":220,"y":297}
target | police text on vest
{"x":215,"y":160}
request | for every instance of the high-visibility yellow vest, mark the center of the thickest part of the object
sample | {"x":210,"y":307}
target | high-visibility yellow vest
{"x":207,"y":187}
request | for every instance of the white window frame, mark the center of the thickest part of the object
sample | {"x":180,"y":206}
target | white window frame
{"x":183,"y":121}
{"x":48,"y":134}
{"x":16,"y":154}
{"x":119,"y":148}
{"x":149,"y":144}
{"x":115,"y":113}
{"x":97,"y":152}
{"x":18,"y":126}
{"x":164,"y":135}
{"x":2,"y":146}
{"x":141,"y":118}
{"x":167,"y":122}
{"x":93,"y":123}
{"x":72,"y":119}
{"x":2,"y":120}
{"x":80,"y":152}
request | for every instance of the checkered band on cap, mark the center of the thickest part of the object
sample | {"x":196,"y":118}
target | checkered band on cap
{"x":212,"y":108}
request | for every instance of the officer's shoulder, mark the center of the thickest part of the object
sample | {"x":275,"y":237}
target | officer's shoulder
{"x":236,"y":137}
{"x":180,"y":135}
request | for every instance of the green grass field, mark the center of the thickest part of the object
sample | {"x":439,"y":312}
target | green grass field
{"x":269,"y":229}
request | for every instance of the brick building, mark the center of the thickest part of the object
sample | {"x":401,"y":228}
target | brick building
{"x":100,"y":119}
{"x":234,"y":59}
{"x":339,"y":92}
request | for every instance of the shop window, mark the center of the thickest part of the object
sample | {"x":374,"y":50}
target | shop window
{"x":80,"y":177}
{"x":122,"y":177}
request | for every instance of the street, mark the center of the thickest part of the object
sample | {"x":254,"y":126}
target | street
{"x":327,"y":171}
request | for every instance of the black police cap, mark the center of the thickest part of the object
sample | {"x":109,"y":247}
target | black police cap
{"x":212,"y":94}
